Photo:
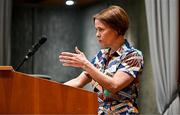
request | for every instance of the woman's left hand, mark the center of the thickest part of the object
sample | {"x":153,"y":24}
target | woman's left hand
{"x":77,"y":59}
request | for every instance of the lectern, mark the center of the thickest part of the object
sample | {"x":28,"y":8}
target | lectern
{"x":21,"y":93}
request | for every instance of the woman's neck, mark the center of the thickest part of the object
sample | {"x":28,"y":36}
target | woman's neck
{"x":117,"y":44}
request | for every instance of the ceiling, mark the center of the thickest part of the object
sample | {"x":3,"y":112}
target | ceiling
{"x":56,"y":2}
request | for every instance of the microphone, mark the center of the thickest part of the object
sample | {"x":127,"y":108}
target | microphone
{"x":32,"y":51}
{"x":35,"y":47}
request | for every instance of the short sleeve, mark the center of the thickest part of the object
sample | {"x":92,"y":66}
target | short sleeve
{"x":93,"y":60}
{"x":96,"y":58}
{"x":132,"y":64}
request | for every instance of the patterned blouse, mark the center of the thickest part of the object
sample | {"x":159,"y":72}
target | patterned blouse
{"x":128,"y":60}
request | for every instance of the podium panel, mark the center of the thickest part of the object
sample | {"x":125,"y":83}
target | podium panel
{"x":24,"y":94}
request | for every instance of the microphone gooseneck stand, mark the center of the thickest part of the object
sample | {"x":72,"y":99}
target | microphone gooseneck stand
{"x":25,"y":59}
{"x":32,"y":51}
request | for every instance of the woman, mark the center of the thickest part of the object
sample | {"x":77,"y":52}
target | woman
{"x":115,"y":69}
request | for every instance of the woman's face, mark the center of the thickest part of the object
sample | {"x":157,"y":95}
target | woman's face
{"x":105,"y":34}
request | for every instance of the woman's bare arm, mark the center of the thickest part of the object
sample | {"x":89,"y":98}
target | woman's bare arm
{"x":79,"y":81}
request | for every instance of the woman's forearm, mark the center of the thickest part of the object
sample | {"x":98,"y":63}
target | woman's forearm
{"x":79,"y":81}
{"x":119,"y":80}
{"x":101,"y":78}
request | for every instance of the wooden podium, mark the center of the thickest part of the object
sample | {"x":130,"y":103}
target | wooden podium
{"x":23,"y":94}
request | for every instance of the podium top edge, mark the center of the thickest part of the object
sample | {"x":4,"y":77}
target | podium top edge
{"x":6,"y":68}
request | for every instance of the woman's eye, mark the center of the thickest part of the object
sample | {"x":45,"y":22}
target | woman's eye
{"x":100,"y":29}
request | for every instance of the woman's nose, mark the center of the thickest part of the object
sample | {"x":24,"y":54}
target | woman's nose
{"x":97,"y":34}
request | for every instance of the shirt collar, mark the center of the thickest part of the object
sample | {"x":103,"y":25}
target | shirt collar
{"x":120,"y":50}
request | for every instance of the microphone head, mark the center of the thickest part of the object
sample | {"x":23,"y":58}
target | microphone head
{"x":42,"y":40}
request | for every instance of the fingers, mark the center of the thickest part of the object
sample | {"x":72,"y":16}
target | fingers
{"x":72,"y":59}
{"x":72,"y":54}
{"x":71,"y":63}
{"x":62,"y":57}
{"x":68,"y":59}
{"x":77,"y":50}
{"x":67,"y":54}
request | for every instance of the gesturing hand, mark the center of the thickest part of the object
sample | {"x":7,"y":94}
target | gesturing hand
{"x":77,"y":59}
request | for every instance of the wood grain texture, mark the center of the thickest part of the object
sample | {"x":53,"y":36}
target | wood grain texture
{"x":23,"y":94}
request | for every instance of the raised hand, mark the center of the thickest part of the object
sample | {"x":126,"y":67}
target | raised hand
{"x":77,"y":59}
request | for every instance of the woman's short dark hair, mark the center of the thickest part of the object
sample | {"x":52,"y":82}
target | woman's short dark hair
{"x":115,"y":17}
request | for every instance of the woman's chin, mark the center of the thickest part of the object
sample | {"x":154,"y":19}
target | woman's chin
{"x":103,"y":47}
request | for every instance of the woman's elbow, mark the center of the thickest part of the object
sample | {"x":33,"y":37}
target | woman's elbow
{"x":114,"y":89}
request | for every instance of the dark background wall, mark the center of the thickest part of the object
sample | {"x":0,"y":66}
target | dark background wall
{"x":67,"y":27}
{"x":63,"y":29}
